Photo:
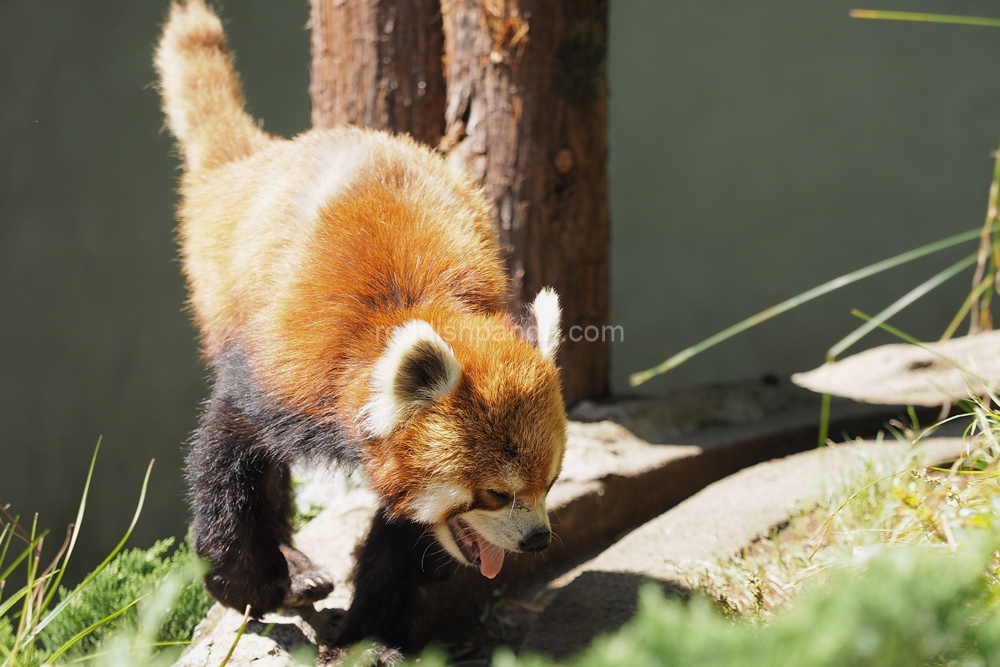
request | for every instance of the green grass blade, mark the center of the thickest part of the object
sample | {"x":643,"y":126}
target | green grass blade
{"x":825,"y":526}
{"x":12,"y":600}
{"x":89,"y":629}
{"x":901,"y":303}
{"x":28,"y":619}
{"x":824,"y":419}
{"x":76,"y":524}
{"x":110,"y":557}
{"x":5,"y":539}
{"x":6,"y":606}
{"x":6,"y":535}
{"x":914,"y":421}
{"x":889,"y":328}
{"x":101,"y":654}
{"x":913,"y":341}
{"x":924,"y":18}
{"x":980,"y":317}
{"x":985,"y":321}
{"x":974,"y":295}
{"x":24,"y":554}
{"x":673,"y":362}
{"x":239,"y":635}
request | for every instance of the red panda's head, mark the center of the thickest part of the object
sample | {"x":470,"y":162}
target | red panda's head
{"x":468,"y":430}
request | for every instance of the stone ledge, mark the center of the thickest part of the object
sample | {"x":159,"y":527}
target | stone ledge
{"x":716,"y":523}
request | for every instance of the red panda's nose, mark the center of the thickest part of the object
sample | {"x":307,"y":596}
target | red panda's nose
{"x":536,"y":540}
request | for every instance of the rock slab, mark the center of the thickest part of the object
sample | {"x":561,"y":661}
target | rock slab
{"x":716,"y":523}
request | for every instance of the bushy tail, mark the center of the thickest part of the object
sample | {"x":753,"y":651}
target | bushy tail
{"x":202,"y":96}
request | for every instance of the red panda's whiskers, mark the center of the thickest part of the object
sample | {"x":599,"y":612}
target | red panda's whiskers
{"x":466,"y":532}
{"x":423,"y":556}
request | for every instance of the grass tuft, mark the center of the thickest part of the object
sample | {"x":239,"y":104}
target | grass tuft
{"x":133,"y":575}
{"x":134,"y":602}
{"x":894,"y":503}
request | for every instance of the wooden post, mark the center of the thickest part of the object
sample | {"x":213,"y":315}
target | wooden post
{"x":522,"y":109}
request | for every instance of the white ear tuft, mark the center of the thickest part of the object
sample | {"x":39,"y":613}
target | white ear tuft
{"x":547,"y":322}
{"x":416,"y":368}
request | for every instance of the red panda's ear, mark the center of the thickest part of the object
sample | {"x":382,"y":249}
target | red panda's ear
{"x":417,"y":367}
{"x":547,"y":315}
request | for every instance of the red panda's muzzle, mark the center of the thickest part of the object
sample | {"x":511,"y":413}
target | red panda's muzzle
{"x":476,"y":549}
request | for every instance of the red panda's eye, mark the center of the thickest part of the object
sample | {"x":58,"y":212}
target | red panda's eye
{"x":499,"y":497}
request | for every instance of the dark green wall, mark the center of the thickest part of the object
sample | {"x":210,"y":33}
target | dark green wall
{"x":757,"y":149}
{"x":93,"y":340}
{"x":761,"y":148}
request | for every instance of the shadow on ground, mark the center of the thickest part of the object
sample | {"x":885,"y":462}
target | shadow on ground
{"x":573,"y":623}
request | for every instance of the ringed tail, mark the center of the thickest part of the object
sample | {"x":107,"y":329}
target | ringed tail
{"x":202,"y":94}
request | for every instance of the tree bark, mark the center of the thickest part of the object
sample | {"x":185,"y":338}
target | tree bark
{"x":377,"y":64}
{"x":524,"y":114}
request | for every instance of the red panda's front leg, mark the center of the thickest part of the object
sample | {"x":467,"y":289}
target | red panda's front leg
{"x":393,"y":563}
{"x":242,"y":505}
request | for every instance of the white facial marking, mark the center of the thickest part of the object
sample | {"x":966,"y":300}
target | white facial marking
{"x":547,"y":319}
{"x":438,"y":500}
{"x":507,"y":526}
{"x":444,"y":537}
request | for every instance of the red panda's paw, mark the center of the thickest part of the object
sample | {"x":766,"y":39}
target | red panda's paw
{"x":309,"y":582}
{"x":263,"y":595}
{"x":373,"y":654}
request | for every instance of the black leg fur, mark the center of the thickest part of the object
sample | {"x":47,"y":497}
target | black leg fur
{"x":242,"y":502}
{"x":242,"y":508}
{"x":392,"y":564}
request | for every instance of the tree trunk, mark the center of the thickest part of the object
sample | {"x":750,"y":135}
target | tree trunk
{"x":524,"y":114}
{"x":377,"y":63}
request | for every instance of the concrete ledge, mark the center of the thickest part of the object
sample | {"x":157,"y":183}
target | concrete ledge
{"x":600,"y":595}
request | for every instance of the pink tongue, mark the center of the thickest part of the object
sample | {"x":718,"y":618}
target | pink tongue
{"x":490,"y":558}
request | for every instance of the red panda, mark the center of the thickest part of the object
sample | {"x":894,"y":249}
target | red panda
{"x":351,"y":303}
